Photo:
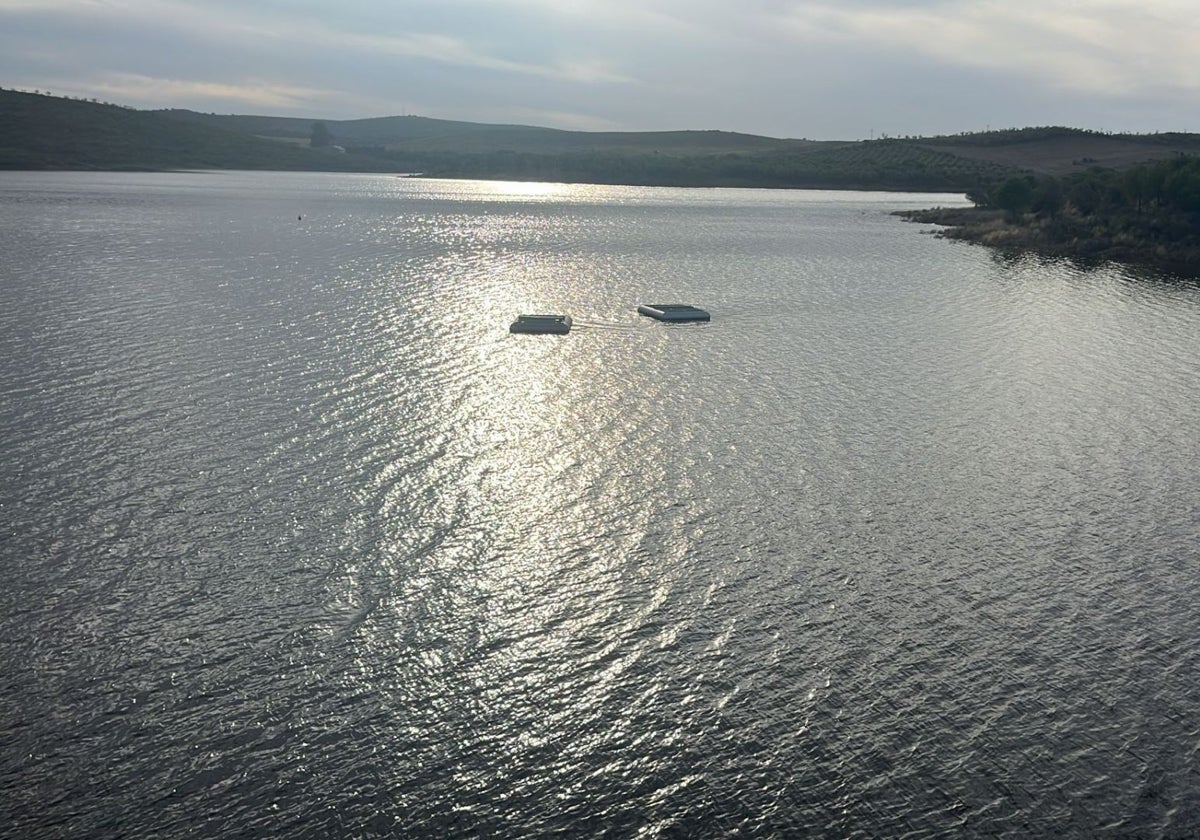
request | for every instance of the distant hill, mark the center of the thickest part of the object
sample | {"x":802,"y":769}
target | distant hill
{"x":39,"y":132}
{"x":423,"y":134}
{"x":45,"y":132}
{"x":1060,"y":151}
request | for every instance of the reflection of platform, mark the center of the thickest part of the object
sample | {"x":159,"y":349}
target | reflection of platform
{"x":541,"y":324}
{"x":673,"y":312}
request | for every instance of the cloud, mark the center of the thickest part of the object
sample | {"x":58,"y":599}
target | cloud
{"x":168,"y":92}
{"x":314,"y":28}
{"x":815,"y":68}
{"x":1111,"y":47}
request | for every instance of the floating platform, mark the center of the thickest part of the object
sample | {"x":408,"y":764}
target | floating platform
{"x":674,"y":312}
{"x":541,"y":324}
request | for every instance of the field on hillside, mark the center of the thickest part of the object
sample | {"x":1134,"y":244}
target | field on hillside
{"x":1060,"y":152}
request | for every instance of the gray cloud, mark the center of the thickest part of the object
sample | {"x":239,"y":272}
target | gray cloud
{"x":780,"y":67}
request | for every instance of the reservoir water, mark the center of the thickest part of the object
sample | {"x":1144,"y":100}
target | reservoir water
{"x":298,"y":541}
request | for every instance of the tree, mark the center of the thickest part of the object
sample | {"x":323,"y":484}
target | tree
{"x":1181,"y":185}
{"x":1085,"y":193}
{"x":1048,"y":197}
{"x":979,"y":195}
{"x":1014,"y":197}
{"x":320,"y":136}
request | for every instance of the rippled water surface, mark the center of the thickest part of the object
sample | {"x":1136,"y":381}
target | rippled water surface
{"x":298,"y":541}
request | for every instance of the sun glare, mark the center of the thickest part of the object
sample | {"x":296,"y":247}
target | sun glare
{"x":527,"y":189}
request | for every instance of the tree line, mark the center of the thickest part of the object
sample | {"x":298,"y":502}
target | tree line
{"x":1155,"y":205}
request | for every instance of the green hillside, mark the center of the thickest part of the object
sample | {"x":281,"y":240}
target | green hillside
{"x":39,"y":132}
{"x":1147,"y":214}
{"x":1060,"y":151}
{"x":423,"y":134}
{"x":44,"y":132}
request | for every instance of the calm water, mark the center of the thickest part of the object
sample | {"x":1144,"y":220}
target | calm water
{"x":298,"y":541}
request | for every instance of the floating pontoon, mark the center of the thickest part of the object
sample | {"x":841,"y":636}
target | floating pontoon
{"x":673,"y":312}
{"x":541,"y":324}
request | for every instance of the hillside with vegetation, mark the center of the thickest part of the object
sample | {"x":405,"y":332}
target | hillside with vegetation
{"x":1061,"y":151}
{"x":444,"y":148}
{"x":1145,"y":214}
{"x":39,"y":131}
{"x":423,"y":134}
{"x":45,"y":132}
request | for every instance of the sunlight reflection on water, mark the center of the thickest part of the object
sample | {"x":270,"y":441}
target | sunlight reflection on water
{"x":301,"y":541}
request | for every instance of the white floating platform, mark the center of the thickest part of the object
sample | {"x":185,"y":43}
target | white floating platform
{"x":673,"y":312}
{"x":541,"y":324}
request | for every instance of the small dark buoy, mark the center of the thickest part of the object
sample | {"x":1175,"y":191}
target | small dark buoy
{"x":299,"y":218}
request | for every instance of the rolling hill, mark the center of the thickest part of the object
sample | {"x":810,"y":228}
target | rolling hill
{"x":45,"y":132}
{"x":423,"y":134}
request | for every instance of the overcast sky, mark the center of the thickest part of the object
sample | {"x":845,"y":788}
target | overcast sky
{"x":821,"y":69}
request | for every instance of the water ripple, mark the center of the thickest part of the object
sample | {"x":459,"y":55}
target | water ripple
{"x":301,"y":541}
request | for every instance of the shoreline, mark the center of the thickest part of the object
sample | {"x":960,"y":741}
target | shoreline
{"x":989,"y":227}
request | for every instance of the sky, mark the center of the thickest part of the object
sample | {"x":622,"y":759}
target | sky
{"x":816,"y":69}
